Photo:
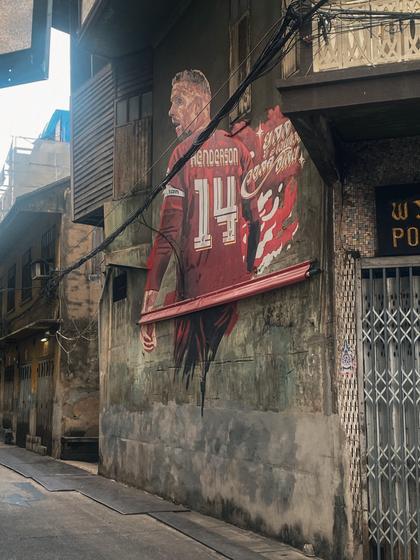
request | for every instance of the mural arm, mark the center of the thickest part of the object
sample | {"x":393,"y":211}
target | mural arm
{"x":166,"y":241}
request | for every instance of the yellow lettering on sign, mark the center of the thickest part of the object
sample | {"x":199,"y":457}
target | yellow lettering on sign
{"x":413,"y":236}
{"x":417,"y":203}
{"x":397,"y":234}
{"x":399,"y":211}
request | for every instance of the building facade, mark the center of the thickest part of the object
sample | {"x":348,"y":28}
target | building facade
{"x":49,"y":391}
{"x":259,"y":324}
{"x":353,"y":99}
{"x":35,"y":162}
{"x":223,"y":400}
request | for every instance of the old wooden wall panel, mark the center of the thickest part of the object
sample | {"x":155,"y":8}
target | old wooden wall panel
{"x":133,"y":140}
{"x":92,"y":148}
{"x":133,"y":156}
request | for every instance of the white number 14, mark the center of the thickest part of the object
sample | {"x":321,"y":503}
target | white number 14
{"x":223,"y":214}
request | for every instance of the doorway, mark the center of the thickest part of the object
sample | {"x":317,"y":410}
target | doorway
{"x":390,"y":336}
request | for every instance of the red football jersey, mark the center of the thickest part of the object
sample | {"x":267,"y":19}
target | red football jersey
{"x":202,"y":217}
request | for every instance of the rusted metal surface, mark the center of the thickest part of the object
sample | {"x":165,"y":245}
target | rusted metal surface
{"x":279,"y":279}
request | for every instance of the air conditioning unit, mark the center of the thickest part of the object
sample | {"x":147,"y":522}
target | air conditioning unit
{"x":40,"y":270}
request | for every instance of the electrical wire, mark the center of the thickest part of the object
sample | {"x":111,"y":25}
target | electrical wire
{"x":291,"y":23}
{"x":137,"y":188}
{"x":330,"y":14}
{"x":80,"y":333}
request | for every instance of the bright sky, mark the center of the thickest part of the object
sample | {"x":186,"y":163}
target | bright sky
{"x":26,"y":109}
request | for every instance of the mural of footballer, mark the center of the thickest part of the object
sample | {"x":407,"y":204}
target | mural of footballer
{"x":203,"y":220}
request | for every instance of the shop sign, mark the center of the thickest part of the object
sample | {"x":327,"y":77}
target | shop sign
{"x":398,"y":219}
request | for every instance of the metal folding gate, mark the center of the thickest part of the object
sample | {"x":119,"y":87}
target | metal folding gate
{"x":25,"y":387}
{"x":391,"y":379}
{"x":44,"y":402}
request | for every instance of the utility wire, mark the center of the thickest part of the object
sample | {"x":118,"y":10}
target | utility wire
{"x":326,"y":15}
{"x":291,"y":23}
{"x":137,"y":187}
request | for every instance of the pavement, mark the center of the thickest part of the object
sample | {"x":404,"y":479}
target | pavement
{"x":52,"y":510}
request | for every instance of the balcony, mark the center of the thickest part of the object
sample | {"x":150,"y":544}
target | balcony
{"x":344,"y":46}
{"x":354,"y":77}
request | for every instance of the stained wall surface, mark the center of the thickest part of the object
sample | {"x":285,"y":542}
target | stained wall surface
{"x":77,"y":390}
{"x":267,"y":452}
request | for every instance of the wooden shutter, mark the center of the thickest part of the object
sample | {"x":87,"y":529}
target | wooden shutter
{"x":133,"y":132}
{"x":133,"y":156}
{"x":92,"y":147}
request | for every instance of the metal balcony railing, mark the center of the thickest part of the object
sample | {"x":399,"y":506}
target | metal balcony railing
{"x":345,"y":44}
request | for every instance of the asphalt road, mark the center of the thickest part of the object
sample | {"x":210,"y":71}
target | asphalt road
{"x":37,"y":524}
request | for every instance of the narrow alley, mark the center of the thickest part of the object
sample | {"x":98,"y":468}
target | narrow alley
{"x":210,"y":279}
{"x":61,"y":524}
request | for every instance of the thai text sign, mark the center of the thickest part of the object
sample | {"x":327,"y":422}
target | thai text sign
{"x":398,"y":219}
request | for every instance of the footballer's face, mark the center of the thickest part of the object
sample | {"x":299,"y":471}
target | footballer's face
{"x":186,"y":104}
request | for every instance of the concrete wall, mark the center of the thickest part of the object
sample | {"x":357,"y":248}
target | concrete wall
{"x":267,"y":453}
{"x":77,"y":407}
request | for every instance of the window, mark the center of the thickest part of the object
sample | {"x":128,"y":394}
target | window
{"x":119,"y":287}
{"x":26,"y":285}
{"x":240,"y":61}
{"x":133,"y":108}
{"x":48,"y":246}
{"x":11,"y":288}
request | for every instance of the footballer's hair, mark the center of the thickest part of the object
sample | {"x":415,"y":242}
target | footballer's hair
{"x":195,"y":77}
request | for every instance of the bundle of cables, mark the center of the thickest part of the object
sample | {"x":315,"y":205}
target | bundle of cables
{"x":294,"y":19}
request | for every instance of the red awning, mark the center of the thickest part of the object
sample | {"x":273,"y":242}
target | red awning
{"x":291,"y":275}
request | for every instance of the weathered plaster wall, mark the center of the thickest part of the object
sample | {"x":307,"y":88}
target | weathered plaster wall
{"x":267,"y":454}
{"x":76,"y":412}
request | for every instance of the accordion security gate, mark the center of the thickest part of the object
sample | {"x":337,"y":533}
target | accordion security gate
{"x":391,"y":379}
